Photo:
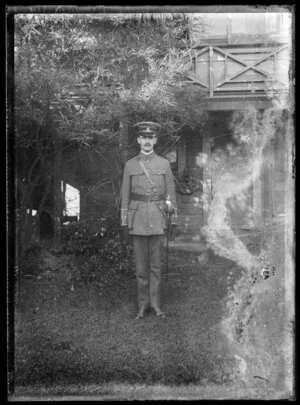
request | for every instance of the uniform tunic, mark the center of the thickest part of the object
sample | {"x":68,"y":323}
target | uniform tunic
{"x":146,"y":217}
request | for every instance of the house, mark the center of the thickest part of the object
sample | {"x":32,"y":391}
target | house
{"x":243,"y":62}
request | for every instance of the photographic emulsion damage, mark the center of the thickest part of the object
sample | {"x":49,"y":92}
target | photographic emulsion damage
{"x":151,"y":197}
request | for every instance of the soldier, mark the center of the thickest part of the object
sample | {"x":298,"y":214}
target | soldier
{"x":148,"y":190}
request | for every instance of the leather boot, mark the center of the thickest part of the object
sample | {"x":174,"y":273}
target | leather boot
{"x":155,"y":243}
{"x":158,"y":312}
{"x":141,"y":313}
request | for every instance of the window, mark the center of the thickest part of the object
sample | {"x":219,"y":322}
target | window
{"x":72,"y":201}
{"x":249,"y":23}
{"x":215,"y":25}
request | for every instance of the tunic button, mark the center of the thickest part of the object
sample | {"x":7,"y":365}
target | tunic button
{"x":148,"y":191}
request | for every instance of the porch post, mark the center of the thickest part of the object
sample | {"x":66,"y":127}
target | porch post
{"x":267,"y":183}
{"x":207,"y":183}
{"x":257,"y":200}
{"x":123,"y":143}
{"x":211,"y":76}
{"x":57,"y":194}
{"x":181,"y":154}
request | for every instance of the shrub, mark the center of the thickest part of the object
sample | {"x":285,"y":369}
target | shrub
{"x":90,"y":250}
{"x":32,"y":262}
{"x":88,"y":235}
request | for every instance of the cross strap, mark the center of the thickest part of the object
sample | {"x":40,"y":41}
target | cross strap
{"x":148,"y":176}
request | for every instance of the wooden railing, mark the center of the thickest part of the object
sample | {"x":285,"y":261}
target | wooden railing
{"x":241,"y":70}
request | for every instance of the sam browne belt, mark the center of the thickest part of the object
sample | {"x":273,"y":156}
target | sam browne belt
{"x":147,"y":197}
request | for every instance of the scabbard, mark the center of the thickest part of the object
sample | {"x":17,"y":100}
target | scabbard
{"x":167,"y":250}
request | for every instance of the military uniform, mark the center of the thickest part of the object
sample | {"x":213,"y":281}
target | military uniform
{"x":143,"y":212}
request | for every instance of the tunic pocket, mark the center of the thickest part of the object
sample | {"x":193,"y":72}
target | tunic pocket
{"x":137,"y":178}
{"x":158,"y":178}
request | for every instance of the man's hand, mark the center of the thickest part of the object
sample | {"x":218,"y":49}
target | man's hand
{"x":124,"y":234}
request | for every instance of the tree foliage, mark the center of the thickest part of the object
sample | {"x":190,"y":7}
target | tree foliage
{"x":88,"y":71}
{"x":81,"y":80}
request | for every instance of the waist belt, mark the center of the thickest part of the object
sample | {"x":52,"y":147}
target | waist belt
{"x":147,"y":197}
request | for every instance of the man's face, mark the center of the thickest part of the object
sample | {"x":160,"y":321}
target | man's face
{"x":147,"y":143}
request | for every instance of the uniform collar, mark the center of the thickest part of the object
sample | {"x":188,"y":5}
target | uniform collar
{"x":143,"y":156}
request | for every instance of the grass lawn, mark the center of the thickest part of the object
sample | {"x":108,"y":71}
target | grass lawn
{"x":90,"y":335}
